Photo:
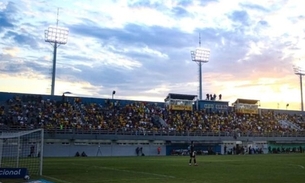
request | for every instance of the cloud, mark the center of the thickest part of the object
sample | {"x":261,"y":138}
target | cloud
{"x":144,"y":50}
{"x":6,"y":16}
{"x":206,"y":2}
{"x":185,"y":3}
{"x":23,"y":39}
{"x":17,"y":67}
{"x":11,"y":51}
{"x":180,"y":12}
{"x":5,"y":22}
{"x":241,"y":17}
{"x":135,"y":35}
{"x":263,"y":22}
{"x":255,"y":7}
{"x":146,"y":4}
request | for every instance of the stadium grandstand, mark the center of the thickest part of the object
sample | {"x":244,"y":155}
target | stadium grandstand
{"x":114,"y":127}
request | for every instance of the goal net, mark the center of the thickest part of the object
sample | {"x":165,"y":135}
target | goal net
{"x":22,"y":149}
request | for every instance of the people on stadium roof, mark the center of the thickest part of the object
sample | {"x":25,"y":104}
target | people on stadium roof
{"x":213,"y":97}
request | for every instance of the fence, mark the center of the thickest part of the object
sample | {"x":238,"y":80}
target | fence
{"x":163,"y":132}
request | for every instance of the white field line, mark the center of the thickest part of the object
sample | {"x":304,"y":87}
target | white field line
{"x":298,"y":166}
{"x":57,"y":180}
{"x":128,"y":171}
{"x":301,"y":166}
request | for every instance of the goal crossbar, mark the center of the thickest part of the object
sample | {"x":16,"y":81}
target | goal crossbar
{"x":13,"y":134}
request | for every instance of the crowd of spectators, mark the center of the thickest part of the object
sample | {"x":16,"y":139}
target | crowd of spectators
{"x":35,"y":112}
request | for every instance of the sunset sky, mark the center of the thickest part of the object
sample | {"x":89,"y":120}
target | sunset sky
{"x":141,"y":48}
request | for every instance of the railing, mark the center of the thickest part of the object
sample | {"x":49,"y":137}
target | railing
{"x":74,"y":131}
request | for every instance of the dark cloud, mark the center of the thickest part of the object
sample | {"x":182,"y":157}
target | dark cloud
{"x":229,"y":50}
{"x":109,"y":76}
{"x":254,"y":7}
{"x":11,"y":8}
{"x":72,"y":58}
{"x":8,"y":65}
{"x":241,"y":17}
{"x":173,"y":71}
{"x":180,"y":12}
{"x":11,"y":67}
{"x":5,"y":57}
{"x":151,"y":74}
{"x":155,"y":71}
{"x":263,"y":23}
{"x":184,"y":3}
{"x":147,"y":4}
{"x":210,"y":35}
{"x":23,"y":39}
{"x":297,"y":19}
{"x":206,"y":2}
{"x":236,"y":43}
{"x":7,"y":19}
{"x":14,"y":66}
{"x":264,"y":62}
{"x":133,"y":35}
{"x":301,"y":17}
{"x":102,"y":75}
{"x":172,"y":42}
{"x":39,"y":66}
{"x":5,"y":22}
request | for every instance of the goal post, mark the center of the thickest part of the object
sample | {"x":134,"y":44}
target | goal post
{"x":22,"y":149}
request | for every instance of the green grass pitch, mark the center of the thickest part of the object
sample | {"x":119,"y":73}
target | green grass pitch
{"x":175,"y":169}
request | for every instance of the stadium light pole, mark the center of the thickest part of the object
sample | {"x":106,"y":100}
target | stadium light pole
{"x":64,"y":95}
{"x":200,"y":55}
{"x":300,"y":72}
{"x":113,"y":93}
{"x":56,"y":36}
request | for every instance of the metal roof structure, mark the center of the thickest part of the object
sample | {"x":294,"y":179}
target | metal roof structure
{"x":180,"y":96}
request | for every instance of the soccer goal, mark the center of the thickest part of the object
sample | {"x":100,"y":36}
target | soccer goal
{"x":22,"y":149}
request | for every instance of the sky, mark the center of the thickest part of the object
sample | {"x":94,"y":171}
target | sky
{"x":141,"y":48}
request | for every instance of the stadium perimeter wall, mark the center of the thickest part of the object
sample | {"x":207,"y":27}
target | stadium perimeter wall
{"x":69,"y":150}
{"x":66,"y":145}
{"x":208,"y":137}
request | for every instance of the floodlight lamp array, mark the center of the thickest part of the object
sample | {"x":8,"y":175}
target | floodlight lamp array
{"x":200,"y":55}
{"x":56,"y":35}
{"x":67,"y":92}
{"x":299,"y":70}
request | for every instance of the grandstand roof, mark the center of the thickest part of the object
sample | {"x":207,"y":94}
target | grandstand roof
{"x":246,"y":101}
{"x":180,"y":96}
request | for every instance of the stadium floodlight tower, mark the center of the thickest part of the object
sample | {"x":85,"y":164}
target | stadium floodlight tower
{"x":301,"y":72}
{"x":56,"y":36}
{"x":200,"y":55}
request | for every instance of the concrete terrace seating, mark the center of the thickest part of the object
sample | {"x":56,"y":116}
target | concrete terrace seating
{"x":137,"y":117}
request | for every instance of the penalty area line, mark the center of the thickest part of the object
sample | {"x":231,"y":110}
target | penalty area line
{"x":57,"y":180}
